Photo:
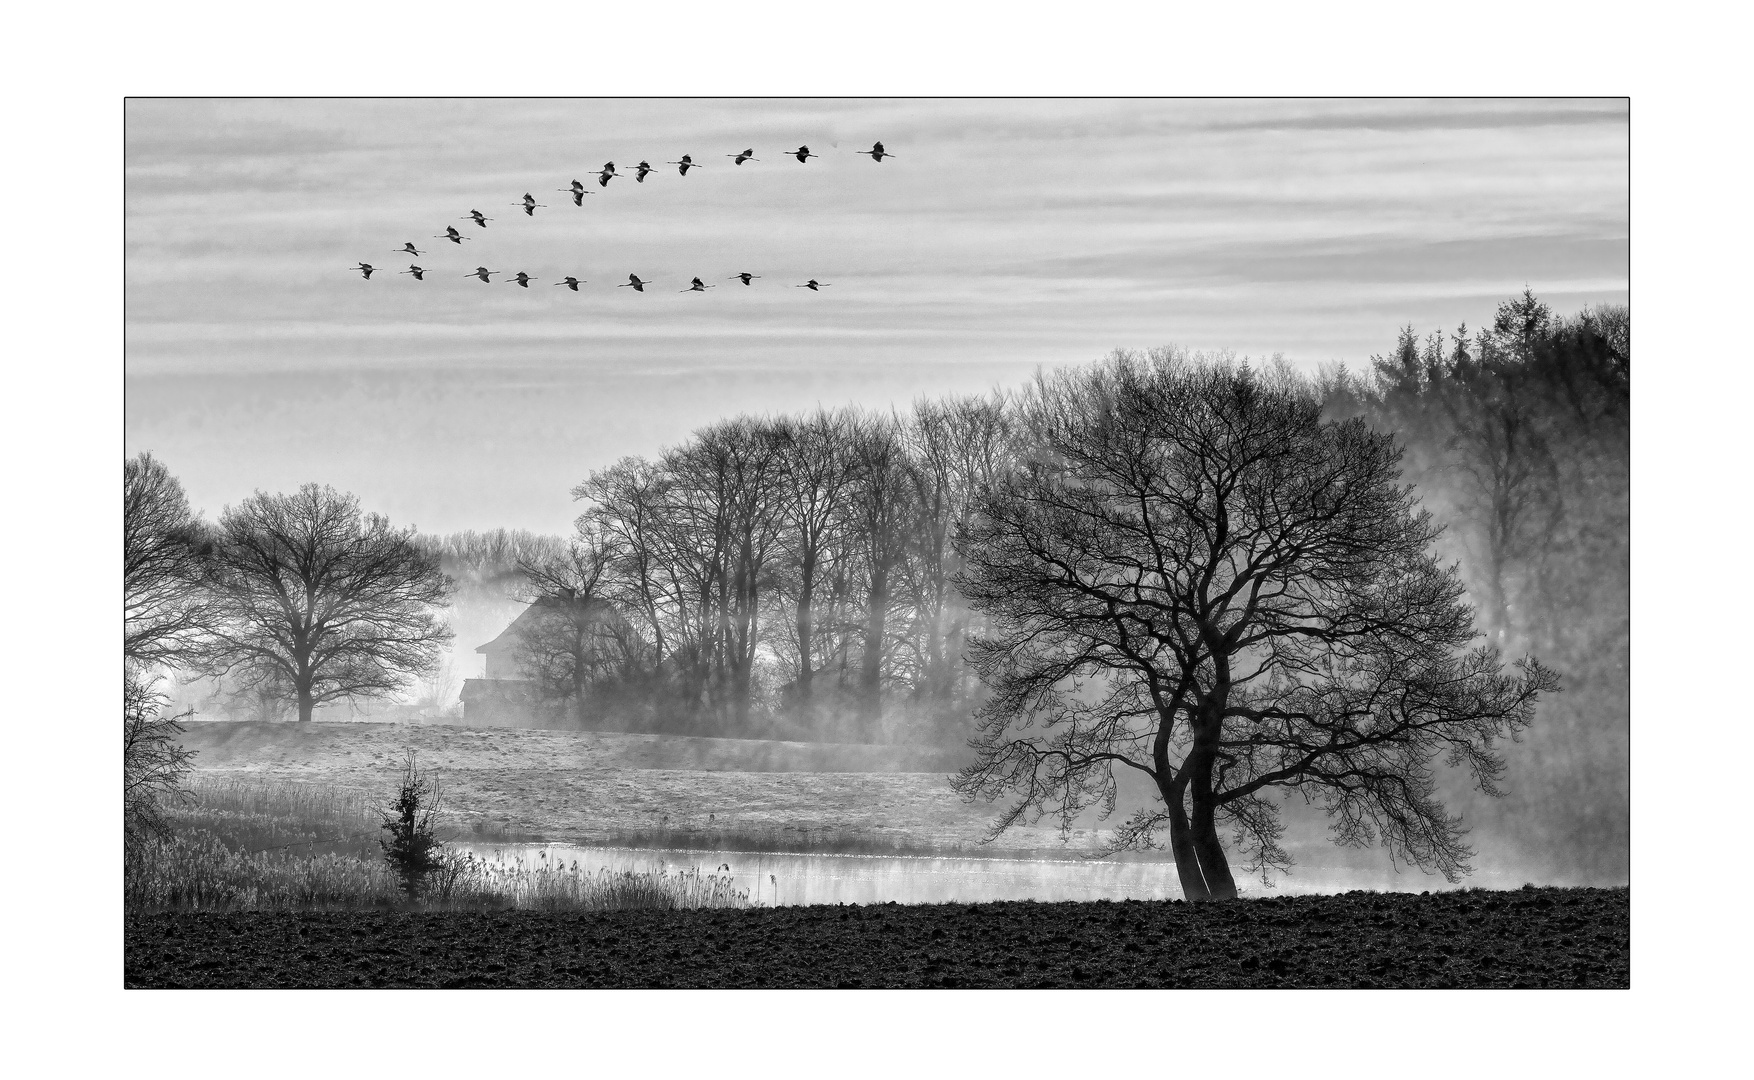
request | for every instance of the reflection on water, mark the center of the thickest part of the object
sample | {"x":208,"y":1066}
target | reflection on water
{"x":874,"y":879}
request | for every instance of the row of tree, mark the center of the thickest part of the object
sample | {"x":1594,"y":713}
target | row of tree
{"x":795,"y":567}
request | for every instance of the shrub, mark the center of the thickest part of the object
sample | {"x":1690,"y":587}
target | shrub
{"x":413,"y":849}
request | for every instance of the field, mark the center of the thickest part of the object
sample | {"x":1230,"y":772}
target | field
{"x":1558,"y":938}
{"x":278,"y":912}
{"x":654,"y":790}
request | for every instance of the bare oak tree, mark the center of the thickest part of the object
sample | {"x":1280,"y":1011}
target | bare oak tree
{"x":327,"y":602}
{"x":1194,"y":577}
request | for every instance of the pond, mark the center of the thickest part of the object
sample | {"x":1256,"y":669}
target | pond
{"x":792,"y":879}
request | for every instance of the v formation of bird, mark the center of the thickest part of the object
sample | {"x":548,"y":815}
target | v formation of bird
{"x":578,"y":191}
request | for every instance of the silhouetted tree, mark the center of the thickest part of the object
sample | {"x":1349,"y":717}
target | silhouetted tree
{"x":330,"y":603}
{"x":576,"y":648}
{"x":166,"y":610}
{"x":153,"y":762}
{"x":1193,"y":576}
{"x":817,"y":478}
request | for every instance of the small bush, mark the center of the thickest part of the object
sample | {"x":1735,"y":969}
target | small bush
{"x":413,"y":849}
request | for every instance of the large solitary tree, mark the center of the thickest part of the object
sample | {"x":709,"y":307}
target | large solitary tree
{"x":1191,"y":575}
{"x":323,"y":602}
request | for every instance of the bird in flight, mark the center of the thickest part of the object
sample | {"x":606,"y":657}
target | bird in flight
{"x":802,"y":153}
{"x":684,"y":165}
{"x":876,"y":152}
{"x":640,"y":172}
{"x":606,"y":175}
{"x":530,"y":204}
{"x":747,"y":155}
{"x":699,"y":286}
{"x":409,"y":248}
{"x":452,"y":235}
{"x":522,"y":279}
{"x":419,"y":274}
{"x":813,"y":285}
{"x":633,"y":279}
{"x":578,"y":193}
{"x":570,"y":282}
{"x":482,"y":272}
{"x":364,"y":268}
{"x":476,"y":216}
{"x":744,"y":278}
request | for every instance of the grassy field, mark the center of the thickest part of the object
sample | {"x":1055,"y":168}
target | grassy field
{"x":645,"y":790}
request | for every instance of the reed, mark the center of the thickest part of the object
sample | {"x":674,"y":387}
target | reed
{"x":254,"y":845}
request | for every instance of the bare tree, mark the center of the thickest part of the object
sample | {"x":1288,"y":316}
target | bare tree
{"x":957,"y":444}
{"x":332,"y":603}
{"x":1194,"y":577}
{"x":883,"y":513}
{"x":817,"y":478}
{"x":166,"y":611}
{"x":576,"y":643}
{"x":153,"y":762}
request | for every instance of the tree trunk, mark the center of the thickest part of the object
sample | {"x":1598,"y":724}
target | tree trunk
{"x":871,"y":666}
{"x":1181,"y":844}
{"x":806,"y":617}
{"x":305,"y":705}
{"x":1203,"y":829}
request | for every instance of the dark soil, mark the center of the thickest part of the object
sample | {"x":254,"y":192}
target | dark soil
{"x":1532,"y":937}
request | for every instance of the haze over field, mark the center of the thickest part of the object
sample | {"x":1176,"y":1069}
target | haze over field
{"x":1003,"y":235}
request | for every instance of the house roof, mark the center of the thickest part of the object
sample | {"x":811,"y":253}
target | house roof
{"x":509,"y":637}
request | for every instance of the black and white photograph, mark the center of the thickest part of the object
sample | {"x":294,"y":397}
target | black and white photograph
{"x":931,"y":539}
{"x":864,"y":543}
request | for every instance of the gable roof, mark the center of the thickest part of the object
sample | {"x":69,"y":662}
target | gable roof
{"x":514,"y":631}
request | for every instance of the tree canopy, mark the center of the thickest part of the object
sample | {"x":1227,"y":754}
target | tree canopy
{"x":322,"y":601}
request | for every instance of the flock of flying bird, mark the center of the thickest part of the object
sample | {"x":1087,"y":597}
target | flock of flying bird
{"x":578,"y":191}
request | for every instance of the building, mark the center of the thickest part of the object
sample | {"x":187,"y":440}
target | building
{"x":554,"y":633}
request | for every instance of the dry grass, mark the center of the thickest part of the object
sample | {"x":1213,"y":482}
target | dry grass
{"x":635,"y":790}
{"x":279,"y":845}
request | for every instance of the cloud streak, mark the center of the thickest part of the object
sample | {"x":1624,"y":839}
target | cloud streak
{"x":1004,"y":234}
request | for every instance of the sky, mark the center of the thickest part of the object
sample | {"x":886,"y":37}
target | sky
{"x":1003,"y":235}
